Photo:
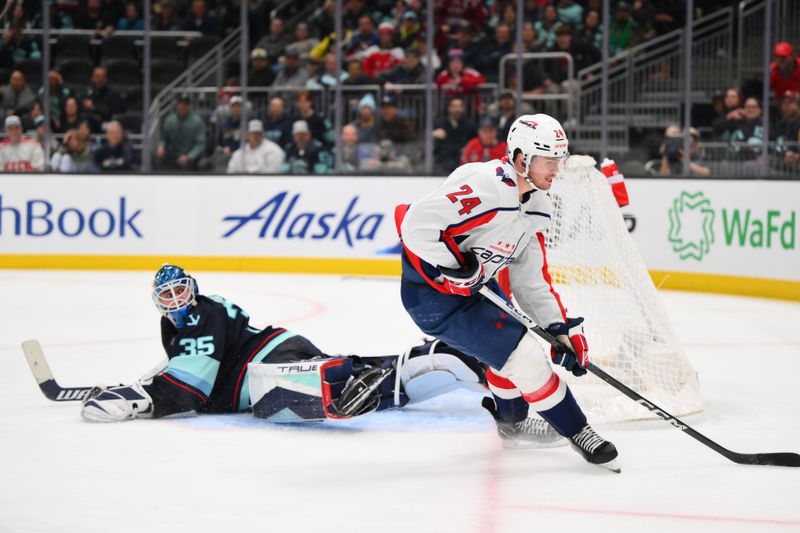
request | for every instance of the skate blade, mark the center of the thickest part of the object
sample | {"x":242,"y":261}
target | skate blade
{"x":528,"y":445}
{"x":612,"y":465}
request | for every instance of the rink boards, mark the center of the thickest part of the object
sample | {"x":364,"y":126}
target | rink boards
{"x":736,"y":236}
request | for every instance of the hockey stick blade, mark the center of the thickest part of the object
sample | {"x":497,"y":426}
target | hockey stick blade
{"x":44,"y":376}
{"x":770,"y":459}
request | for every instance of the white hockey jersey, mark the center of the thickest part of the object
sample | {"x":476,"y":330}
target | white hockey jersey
{"x":478,"y":208}
{"x":266,"y":158}
{"x":24,"y":156}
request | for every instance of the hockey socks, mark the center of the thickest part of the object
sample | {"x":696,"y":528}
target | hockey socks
{"x":565,"y":416}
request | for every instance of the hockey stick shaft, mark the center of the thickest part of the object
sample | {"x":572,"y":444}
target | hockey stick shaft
{"x":44,"y":376}
{"x":775,"y":459}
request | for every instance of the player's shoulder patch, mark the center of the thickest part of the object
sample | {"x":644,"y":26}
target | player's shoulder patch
{"x":503,"y":176}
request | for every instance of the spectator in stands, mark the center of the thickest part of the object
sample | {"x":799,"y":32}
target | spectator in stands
{"x":37,"y":134}
{"x":385,"y":55}
{"x":72,"y":118}
{"x":392,"y":126}
{"x":59,"y":20}
{"x":457,"y":79}
{"x":291,"y":75}
{"x":318,"y":125}
{"x":18,"y":98}
{"x":547,"y":26}
{"x":115,"y":154}
{"x":305,"y":155}
{"x":450,"y":134}
{"x":58,"y":94}
{"x":672,"y":153}
{"x":409,"y":72}
{"x":355,"y":74}
{"x":276,"y":41}
{"x":723,"y":125}
{"x":261,"y":74}
{"x":74,"y":155}
{"x":229,"y":125}
{"x":784,"y":72}
{"x":322,"y":20}
{"x":623,"y":32}
{"x":423,"y":55}
{"x":747,"y":134}
{"x":643,"y":14}
{"x":327,"y":78}
{"x":530,"y":39}
{"x":201,"y":20}
{"x":570,"y":12}
{"x":501,"y":45}
{"x":386,"y":158}
{"x":16,"y":47}
{"x":164,"y":19}
{"x":183,"y":138}
{"x":352,"y":13}
{"x":410,"y":30}
{"x":132,"y":20}
{"x":473,"y":46}
{"x":95,"y":17}
{"x":17,"y":152}
{"x":592,"y":31}
{"x":366,"y":124}
{"x":583,"y":55}
{"x":99,"y":98}
{"x":484,"y":147}
{"x":504,"y":112}
{"x":669,"y":15}
{"x":278,"y":125}
{"x":787,"y":130}
{"x":365,"y":38}
{"x":303,"y":41}
{"x":354,"y":153}
{"x":260,"y":155}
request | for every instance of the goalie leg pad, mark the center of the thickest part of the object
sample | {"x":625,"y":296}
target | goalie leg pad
{"x":297,"y":391}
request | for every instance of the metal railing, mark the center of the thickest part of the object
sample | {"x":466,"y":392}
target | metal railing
{"x":560,"y":101}
{"x":645,"y":81}
{"x":741,"y":160}
{"x":208,"y":71}
{"x":785,"y":27}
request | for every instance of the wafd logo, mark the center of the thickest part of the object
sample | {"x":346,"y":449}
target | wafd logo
{"x":691,"y":226}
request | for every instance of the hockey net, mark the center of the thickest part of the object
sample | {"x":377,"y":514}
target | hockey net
{"x":600,"y":275}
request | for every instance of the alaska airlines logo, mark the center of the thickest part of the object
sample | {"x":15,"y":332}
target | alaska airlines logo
{"x":504,"y":177}
{"x":280,"y":217}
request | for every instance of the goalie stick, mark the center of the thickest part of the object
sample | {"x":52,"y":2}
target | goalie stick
{"x":44,"y":376}
{"x":772,"y":459}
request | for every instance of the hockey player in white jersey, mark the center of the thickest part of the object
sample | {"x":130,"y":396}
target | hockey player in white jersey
{"x":483,"y":217}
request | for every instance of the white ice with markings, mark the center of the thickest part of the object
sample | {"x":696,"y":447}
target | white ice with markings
{"x":434,"y":467}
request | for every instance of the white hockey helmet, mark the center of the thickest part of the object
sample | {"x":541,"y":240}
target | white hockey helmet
{"x":534,"y":135}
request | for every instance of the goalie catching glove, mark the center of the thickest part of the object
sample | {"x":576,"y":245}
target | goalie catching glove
{"x":574,"y":355}
{"x":118,"y":403}
{"x":465,"y":280}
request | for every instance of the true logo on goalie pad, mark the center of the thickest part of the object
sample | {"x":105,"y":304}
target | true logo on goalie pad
{"x":296,"y":392}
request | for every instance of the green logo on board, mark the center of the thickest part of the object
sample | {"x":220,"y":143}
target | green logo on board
{"x":691,"y":226}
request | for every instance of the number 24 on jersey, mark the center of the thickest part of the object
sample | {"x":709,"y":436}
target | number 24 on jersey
{"x":468,"y":203}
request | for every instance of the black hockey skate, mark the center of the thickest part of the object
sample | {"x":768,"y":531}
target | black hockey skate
{"x":595,"y":448}
{"x":529,"y":433}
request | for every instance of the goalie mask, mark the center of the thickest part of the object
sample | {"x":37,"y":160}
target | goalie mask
{"x":174,"y":293}
{"x":538,"y":135}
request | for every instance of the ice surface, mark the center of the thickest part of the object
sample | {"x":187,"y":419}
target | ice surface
{"x":434,"y":467}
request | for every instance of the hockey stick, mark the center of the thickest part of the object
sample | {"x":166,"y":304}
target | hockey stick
{"x":44,"y":376}
{"x":773,"y":459}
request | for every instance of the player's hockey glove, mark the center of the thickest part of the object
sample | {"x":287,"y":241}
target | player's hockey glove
{"x":115,"y":404}
{"x":575,"y":356}
{"x":465,"y":280}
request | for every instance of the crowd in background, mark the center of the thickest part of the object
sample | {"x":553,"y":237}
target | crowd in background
{"x":384,"y":44}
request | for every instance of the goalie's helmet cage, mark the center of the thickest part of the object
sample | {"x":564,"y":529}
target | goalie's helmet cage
{"x":534,"y":135}
{"x":174,"y":293}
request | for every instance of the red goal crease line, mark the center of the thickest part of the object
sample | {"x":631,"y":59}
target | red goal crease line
{"x":389,"y":266}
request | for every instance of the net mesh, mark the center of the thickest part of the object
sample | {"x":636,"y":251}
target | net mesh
{"x":600,"y":275}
